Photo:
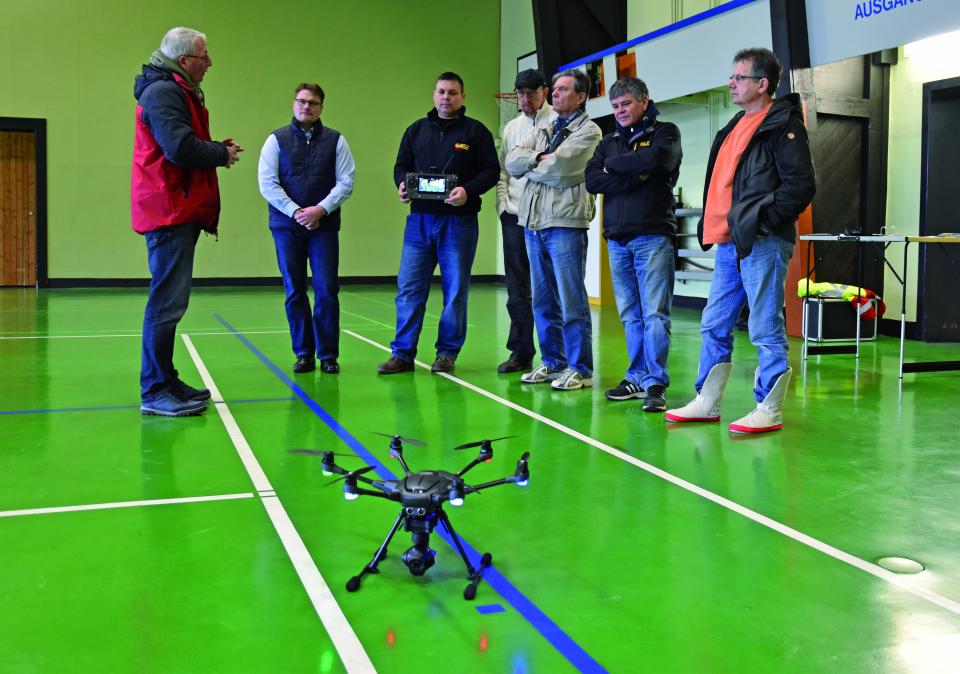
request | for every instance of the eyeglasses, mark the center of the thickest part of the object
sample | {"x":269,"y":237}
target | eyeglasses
{"x":306,"y":101}
{"x":740,"y":78}
{"x":202,"y":57}
{"x":527,"y":93}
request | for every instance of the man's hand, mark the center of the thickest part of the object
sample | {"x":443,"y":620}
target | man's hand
{"x":310,"y":216}
{"x":402,"y":191}
{"x":233,"y":149}
{"x":458,"y":197}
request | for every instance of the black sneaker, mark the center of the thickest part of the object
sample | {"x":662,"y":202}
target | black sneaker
{"x":166,"y":404}
{"x":305,"y":364}
{"x":625,"y":391}
{"x":656,"y":399}
{"x":184,"y":391}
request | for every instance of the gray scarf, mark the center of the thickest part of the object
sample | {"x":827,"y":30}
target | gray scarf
{"x":160,"y":60}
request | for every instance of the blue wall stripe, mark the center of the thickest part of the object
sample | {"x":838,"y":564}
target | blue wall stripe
{"x":539,"y":620}
{"x":660,"y":32}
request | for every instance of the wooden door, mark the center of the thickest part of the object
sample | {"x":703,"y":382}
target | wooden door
{"x":18,"y":209}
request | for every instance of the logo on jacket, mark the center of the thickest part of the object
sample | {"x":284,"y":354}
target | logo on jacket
{"x":644,"y":143}
{"x":462,"y":147}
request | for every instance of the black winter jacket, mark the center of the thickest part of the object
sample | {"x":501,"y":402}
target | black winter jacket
{"x":463,"y":146}
{"x":632,"y":206}
{"x":774,"y":181}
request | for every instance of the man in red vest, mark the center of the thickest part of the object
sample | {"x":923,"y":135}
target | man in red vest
{"x":173,"y":195}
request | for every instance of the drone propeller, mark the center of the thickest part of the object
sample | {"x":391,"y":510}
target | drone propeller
{"x":408,"y":441}
{"x":478,"y":443}
{"x":319,"y":452}
{"x":351,"y":474}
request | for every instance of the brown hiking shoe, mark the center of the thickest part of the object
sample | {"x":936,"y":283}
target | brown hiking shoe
{"x":443,"y":364}
{"x":394,"y":366}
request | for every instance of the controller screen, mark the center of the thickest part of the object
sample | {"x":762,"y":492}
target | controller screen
{"x":436,"y":185}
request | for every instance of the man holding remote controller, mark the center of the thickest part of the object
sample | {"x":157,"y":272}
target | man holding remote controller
{"x":444,"y":149}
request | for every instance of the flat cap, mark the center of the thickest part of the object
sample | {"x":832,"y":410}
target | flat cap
{"x":530,"y":79}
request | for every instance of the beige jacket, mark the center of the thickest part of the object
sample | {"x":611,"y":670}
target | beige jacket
{"x":555,"y":194}
{"x":508,"y":187}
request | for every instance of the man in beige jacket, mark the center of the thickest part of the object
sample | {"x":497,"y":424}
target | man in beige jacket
{"x":555,"y":209}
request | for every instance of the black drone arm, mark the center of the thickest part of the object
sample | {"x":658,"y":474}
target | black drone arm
{"x":486,"y":485}
{"x":370,"y":492}
{"x":470,"y":465}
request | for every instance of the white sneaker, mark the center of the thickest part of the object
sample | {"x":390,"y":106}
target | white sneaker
{"x":571,"y":380}
{"x":541,"y":375}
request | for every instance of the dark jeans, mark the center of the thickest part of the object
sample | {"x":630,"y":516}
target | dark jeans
{"x":429,"y":240}
{"x":320,"y":332}
{"x":516,"y":267}
{"x":170,"y":256}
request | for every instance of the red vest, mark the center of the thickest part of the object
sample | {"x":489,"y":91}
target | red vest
{"x":163,"y":193}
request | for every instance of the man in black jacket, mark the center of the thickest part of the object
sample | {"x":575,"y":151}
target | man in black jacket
{"x":759,"y":179}
{"x":440,"y":232}
{"x":636,"y":168}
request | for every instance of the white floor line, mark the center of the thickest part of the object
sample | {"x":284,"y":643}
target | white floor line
{"x":16,"y":337}
{"x":222,"y":333}
{"x":123,"y":504}
{"x":903,"y":582}
{"x":354,"y":657}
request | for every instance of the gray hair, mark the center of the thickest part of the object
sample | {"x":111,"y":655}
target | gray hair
{"x":581,"y":82}
{"x":631,"y":86}
{"x":179,"y":42}
{"x":764,"y":63}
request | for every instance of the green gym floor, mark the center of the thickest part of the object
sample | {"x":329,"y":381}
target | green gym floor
{"x":157,"y":545}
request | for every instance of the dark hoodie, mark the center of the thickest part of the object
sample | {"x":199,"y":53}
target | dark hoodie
{"x":462,"y":146}
{"x":636,"y":170}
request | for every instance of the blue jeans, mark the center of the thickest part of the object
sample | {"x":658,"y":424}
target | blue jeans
{"x":429,"y":240}
{"x":561,"y":310}
{"x":758,"y":282}
{"x":170,"y":257}
{"x":320,"y":332}
{"x":642,"y":274}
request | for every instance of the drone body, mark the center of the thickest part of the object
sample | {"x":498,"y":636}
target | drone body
{"x":422,"y":496}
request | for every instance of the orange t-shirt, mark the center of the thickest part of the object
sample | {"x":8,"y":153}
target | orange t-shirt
{"x":720,"y":193}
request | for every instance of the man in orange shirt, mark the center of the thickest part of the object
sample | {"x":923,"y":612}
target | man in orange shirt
{"x":760,"y":177}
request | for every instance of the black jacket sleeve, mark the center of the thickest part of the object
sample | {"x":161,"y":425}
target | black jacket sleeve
{"x":165,"y":111}
{"x":488,"y":164}
{"x":661,"y":156}
{"x":599,"y":181}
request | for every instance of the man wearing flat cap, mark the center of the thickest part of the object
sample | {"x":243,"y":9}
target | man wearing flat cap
{"x":532,"y":92}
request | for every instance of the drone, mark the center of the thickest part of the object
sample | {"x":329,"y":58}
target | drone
{"x":422,"y":496}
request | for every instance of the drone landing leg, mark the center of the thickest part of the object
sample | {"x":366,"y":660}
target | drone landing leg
{"x":354,"y":583}
{"x":475,"y":576}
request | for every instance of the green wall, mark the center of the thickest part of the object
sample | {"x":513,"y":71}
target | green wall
{"x":73,"y":63}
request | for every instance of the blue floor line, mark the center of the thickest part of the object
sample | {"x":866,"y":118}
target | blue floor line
{"x":539,"y":620}
{"x":130,"y":407}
